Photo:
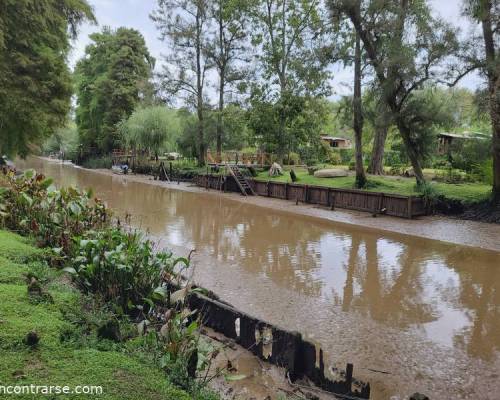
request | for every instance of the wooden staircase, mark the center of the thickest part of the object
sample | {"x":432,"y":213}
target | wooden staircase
{"x":242,"y":182}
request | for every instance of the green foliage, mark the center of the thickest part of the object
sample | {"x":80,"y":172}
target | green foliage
{"x":98,"y":162}
{"x":35,"y":82}
{"x":121,"y":267}
{"x":35,"y":207}
{"x":63,"y":142}
{"x":152,"y":128}
{"x":111,"y":79}
{"x":304,"y":120}
{"x":63,"y":362}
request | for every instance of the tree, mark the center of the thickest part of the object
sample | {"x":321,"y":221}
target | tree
{"x":405,"y":46}
{"x":227,"y":50}
{"x":35,"y":82}
{"x":358,"y":117}
{"x":184,"y":23}
{"x":152,"y":129}
{"x":110,"y":78}
{"x":293,"y":55}
{"x":486,"y":58}
{"x":380,"y":117}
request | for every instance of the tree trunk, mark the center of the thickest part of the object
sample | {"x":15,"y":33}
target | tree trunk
{"x":376,"y":166}
{"x":382,"y":122}
{"x":412,"y":154}
{"x":222,"y":78}
{"x":358,"y":117}
{"x":493,"y":73}
{"x":199,"y":92}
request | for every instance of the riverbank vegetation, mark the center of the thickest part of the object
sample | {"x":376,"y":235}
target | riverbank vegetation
{"x":91,"y":292}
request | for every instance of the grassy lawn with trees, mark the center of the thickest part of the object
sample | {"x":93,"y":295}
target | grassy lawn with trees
{"x":62,"y":357}
{"x":466,"y":192}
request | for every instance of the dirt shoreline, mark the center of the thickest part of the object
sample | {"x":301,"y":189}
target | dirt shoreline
{"x":465,"y":232}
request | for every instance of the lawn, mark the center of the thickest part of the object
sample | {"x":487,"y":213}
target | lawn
{"x":53,"y":361}
{"x":466,"y":192}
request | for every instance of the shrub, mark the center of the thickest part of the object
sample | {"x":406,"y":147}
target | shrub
{"x":102,"y":162}
{"x":334,"y":158}
{"x":346,"y":155}
{"x":292,"y":159}
{"x":33,"y":206}
{"x":123,"y":268}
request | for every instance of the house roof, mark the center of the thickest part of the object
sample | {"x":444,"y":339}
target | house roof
{"x":464,"y":135}
{"x":333,"y":138}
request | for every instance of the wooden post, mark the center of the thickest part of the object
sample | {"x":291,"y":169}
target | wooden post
{"x":332,"y":207}
{"x":286,"y":191}
{"x":410,"y":212}
{"x":306,"y":194}
{"x":348,"y":377}
{"x":268,"y":190}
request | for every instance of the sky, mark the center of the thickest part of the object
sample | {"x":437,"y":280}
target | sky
{"x":135,"y":14}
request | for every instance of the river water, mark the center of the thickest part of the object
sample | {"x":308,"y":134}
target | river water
{"x":412,"y":314}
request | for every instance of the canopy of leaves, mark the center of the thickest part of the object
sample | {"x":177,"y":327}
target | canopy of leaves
{"x":35,"y":83}
{"x":152,"y":128}
{"x":110,"y":83}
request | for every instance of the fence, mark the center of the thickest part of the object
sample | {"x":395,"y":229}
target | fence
{"x":353,"y":199}
{"x":286,"y":349}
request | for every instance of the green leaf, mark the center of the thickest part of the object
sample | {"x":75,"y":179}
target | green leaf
{"x":70,"y":270}
{"x":46,"y":183}
{"x":28,"y":200}
{"x":28,"y":174}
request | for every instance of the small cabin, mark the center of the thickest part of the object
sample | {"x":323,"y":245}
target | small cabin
{"x":446,"y":139}
{"x":337,"y":142}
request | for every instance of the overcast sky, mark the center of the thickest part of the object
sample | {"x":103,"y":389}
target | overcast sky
{"x":135,"y":14}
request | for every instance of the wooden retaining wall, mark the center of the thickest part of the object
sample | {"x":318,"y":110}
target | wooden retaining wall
{"x":352,"y":199}
{"x":289,"y":350}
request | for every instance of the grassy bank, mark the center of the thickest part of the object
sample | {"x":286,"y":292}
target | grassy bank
{"x":466,"y":192}
{"x":58,"y":358}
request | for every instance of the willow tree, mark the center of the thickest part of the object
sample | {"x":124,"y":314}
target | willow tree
{"x":151,"y":129}
{"x":184,"y":25}
{"x":35,"y":82}
{"x":406,"y":47}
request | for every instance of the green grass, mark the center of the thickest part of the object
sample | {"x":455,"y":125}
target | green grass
{"x":466,"y":192}
{"x":53,"y":362}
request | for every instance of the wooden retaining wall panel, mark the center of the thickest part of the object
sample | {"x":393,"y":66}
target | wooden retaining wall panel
{"x":360,"y":200}
{"x":289,"y":350}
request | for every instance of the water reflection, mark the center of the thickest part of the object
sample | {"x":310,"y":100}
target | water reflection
{"x":448,"y":294}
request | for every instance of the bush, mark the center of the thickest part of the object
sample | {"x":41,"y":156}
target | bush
{"x":35,"y":207}
{"x":334,"y":158}
{"x":346,"y":155}
{"x":102,"y":162}
{"x":123,"y":268}
{"x":392,"y":158}
{"x":292,"y":159}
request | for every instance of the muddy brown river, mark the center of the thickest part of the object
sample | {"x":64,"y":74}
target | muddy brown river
{"x":412,"y":314}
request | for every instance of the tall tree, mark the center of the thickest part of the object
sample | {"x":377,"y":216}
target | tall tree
{"x":380,"y":117}
{"x":292,"y":36}
{"x":486,"y":58}
{"x":35,"y":82}
{"x":184,"y":24}
{"x":405,"y":46}
{"x":109,"y":82}
{"x":358,"y":117}
{"x":227,"y":51}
